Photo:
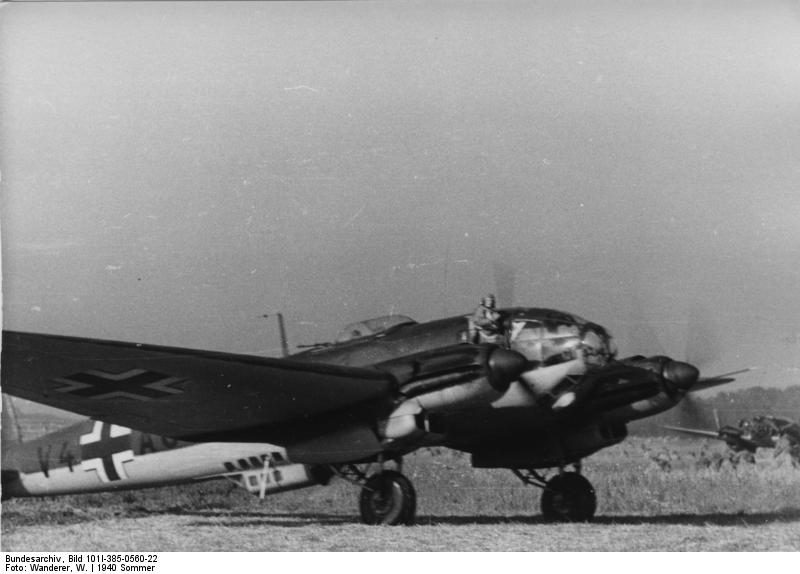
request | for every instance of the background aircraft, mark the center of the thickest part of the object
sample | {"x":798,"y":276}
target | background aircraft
{"x":94,"y":456}
{"x":540,"y":390}
{"x":760,"y":431}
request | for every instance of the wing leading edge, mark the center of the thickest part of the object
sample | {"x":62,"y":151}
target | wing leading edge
{"x":178,"y":392}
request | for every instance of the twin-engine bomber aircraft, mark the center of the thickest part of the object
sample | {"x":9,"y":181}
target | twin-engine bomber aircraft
{"x":520,"y":388}
{"x":759,"y":431}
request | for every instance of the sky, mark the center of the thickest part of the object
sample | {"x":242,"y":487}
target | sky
{"x":171,"y":172}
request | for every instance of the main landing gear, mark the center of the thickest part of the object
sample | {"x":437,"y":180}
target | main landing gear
{"x":566,"y":497}
{"x":387,"y":496}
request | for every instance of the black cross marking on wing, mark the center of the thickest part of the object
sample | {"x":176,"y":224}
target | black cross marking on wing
{"x":138,"y":384}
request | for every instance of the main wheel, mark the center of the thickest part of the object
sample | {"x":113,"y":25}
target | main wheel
{"x":568,"y":497}
{"x":388,"y":498}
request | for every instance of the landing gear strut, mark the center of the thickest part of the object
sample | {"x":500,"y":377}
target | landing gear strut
{"x":566,"y":497}
{"x":387,"y":496}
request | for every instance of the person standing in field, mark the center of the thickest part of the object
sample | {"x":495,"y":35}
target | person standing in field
{"x":789,"y":442}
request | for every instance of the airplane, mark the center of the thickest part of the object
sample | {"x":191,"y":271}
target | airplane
{"x":760,"y":431}
{"x":535,"y":395}
{"x":94,"y":456}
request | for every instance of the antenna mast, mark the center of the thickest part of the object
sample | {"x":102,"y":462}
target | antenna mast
{"x":281,"y":333}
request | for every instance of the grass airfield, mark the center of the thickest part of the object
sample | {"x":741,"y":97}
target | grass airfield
{"x":654,"y":494}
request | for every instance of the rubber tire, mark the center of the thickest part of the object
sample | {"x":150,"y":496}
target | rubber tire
{"x":388,"y":498}
{"x":568,"y":497}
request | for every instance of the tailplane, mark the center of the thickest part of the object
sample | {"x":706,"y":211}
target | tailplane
{"x":11,"y":436}
{"x":9,"y":423}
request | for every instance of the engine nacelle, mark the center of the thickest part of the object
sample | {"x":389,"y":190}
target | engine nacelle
{"x":663,"y":384}
{"x":447,"y":380}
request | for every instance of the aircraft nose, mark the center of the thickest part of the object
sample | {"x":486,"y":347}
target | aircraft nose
{"x":681,"y":375}
{"x":505,"y":366}
{"x":597,"y":345}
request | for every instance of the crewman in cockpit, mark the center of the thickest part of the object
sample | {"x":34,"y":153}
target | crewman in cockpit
{"x":485,"y":325}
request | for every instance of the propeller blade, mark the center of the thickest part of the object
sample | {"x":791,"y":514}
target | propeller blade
{"x":690,"y":413}
{"x":565,"y":384}
{"x":543,"y":381}
{"x":504,"y":278}
{"x":640,"y":337}
{"x":702,"y":345}
{"x":689,"y":410}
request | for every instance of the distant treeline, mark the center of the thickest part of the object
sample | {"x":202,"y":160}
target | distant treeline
{"x":731,"y":407}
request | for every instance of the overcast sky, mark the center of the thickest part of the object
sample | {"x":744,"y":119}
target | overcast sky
{"x":173,"y":171}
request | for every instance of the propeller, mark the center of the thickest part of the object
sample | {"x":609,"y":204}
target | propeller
{"x":690,"y":413}
{"x":700,"y":342}
{"x":702,"y":346}
{"x":504,"y":279}
{"x":701,"y":349}
{"x":639,"y":332}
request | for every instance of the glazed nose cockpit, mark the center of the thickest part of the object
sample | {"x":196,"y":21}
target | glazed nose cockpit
{"x":550,"y":338}
{"x":597,"y":345}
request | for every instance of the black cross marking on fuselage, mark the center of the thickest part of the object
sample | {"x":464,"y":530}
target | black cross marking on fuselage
{"x":136,"y":384}
{"x":105,"y":448}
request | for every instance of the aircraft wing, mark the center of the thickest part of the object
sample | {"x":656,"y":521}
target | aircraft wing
{"x":697,"y":432}
{"x":183,"y":393}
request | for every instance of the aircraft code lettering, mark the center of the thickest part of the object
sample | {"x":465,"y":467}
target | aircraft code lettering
{"x":137,"y":384}
{"x":44,"y":459}
{"x":66,"y":457}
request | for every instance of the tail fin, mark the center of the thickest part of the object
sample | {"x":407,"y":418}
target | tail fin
{"x":11,"y":436}
{"x":9,"y":424}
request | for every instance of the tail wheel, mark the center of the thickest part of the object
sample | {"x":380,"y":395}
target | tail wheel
{"x":388,"y":498}
{"x":568,"y":497}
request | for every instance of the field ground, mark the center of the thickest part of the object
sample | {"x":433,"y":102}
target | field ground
{"x":269,"y":532}
{"x":653,"y":495}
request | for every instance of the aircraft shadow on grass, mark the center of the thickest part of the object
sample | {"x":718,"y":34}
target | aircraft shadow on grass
{"x":248,"y":519}
{"x":714,"y":519}
{"x":251,"y":519}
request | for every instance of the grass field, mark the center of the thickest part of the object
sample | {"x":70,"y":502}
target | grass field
{"x":670,"y":504}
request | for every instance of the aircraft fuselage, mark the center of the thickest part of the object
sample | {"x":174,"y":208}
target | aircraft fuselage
{"x":93,"y":456}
